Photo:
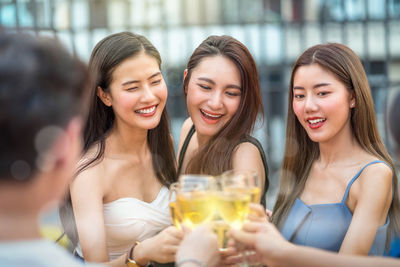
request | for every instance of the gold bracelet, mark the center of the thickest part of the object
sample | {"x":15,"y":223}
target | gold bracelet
{"x":129,"y":261}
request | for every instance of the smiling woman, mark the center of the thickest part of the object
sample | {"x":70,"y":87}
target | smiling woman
{"x":138,"y":86}
{"x":338,"y":183}
{"x":223,"y":99}
{"x":120,"y":194}
{"x":213,"y":94}
{"x":318,"y":95}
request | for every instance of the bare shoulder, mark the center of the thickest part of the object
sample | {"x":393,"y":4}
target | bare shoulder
{"x":187,"y":124}
{"x":377,"y":173}
{"x":88,"y":155}
{"x":89,"y":179}
{"x":376,"y":182}
{"x":247,"y":156}
{"x":184,"y":132}
{"x":246,"y":148}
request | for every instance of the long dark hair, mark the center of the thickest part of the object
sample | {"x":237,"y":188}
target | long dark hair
{"x":301,"y":151}
{"x":215,"y":156}
{"x":106,"y":56}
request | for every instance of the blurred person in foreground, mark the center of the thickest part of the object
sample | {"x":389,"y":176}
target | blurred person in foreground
{"x":42,"y":91}
{"x":270,"y":246}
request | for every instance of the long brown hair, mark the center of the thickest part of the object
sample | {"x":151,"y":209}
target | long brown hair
{"x":301,"y":152}
{"x":106,"y":56}
{"x":215,"y":156}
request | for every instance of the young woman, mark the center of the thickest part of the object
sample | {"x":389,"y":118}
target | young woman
{"x":120,"y":195}
{"x":269,"y":245}
{"x":338,"y":186}
{"x":223,"y":99}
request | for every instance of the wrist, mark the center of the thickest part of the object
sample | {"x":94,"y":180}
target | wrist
{"x":139,"y":254}
{"x":283,"y":254}
{"x":133,"y":261}
{"x":190,"y":262}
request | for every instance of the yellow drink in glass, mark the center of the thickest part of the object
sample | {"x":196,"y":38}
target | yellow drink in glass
{"x":175,"y":217}
{"x":254,"y":192}
{"x":233,"y":207}
{"x":220,"y":228}
{"x":195,"y":207}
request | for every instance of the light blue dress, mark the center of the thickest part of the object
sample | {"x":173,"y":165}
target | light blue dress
{"x":324,"y":226}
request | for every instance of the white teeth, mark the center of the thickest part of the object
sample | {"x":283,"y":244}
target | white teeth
{"x":146,"y":110}
{"x":316,"y":121}
{"x":212,"y":116}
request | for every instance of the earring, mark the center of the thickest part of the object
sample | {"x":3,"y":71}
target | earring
{"x":352,"y":105}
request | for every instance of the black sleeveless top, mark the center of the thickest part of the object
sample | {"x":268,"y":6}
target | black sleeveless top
{"x":249,"y":139}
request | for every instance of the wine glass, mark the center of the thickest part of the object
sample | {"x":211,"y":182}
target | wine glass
{"x":174,"y":213}
{"x":195,"y":199}
{"x":232,"y":204}
{"x":244,"y":183}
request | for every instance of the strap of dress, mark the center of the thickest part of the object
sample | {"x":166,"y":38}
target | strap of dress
{"x":357,"y":175}
{"x":255,"y":142}
{"x":184,"y":148}
{"x":249,"y":139}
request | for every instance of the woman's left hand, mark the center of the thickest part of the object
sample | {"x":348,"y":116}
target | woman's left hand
{"x":162,"y":247}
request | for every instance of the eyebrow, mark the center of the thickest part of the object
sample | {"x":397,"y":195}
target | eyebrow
{"x":213,"y":83}
{"x":314,"y":87}
{"x":136,"y":81}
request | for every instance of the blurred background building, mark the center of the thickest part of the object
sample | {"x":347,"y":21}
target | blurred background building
{"x":275,"y":31}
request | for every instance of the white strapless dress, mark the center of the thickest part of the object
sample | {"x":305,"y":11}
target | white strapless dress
{"x":128,"y":220}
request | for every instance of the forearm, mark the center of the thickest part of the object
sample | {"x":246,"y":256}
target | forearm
{"x":119,"y":262}
{"x":190,"y":263}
